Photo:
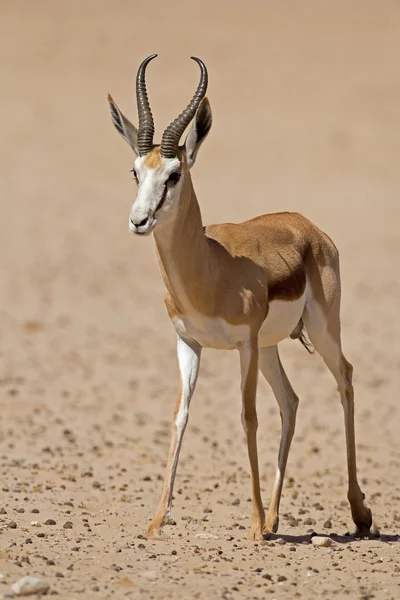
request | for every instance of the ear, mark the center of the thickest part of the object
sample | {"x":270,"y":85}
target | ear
{"x":198,"y":132}
{"x":123,"y":126}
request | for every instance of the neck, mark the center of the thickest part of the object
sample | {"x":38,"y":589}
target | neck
{"x":183,"y":250}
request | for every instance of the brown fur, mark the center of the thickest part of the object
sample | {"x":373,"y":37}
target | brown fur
{"x":154,"y":159}
{"x":234,"y":270}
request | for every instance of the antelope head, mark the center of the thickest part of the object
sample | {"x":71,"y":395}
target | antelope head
{"x":160,"y":170}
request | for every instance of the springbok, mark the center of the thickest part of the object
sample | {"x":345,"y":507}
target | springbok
{"x":243,"y":286}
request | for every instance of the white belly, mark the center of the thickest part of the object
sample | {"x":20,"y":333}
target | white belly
{"x":215,"y":332}
{"x":281,"y":320}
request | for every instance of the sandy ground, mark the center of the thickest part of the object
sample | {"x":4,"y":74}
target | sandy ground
{"x":306,"y":101}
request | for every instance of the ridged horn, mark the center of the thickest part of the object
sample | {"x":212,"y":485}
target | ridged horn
{"x":174,"y":131}
{"x":146,"y":121}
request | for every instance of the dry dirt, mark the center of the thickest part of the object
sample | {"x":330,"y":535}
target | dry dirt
{"x":306,"y":101}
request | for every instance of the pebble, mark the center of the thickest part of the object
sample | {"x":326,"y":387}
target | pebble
{"x":12,"y":525}
{"x":50,"y":522}
{"x":3,"y":511}
{"x":204,"y":535}
{"x":27,"y":586}
{"x":328,"y":524}
{"x":68,"y":525}
{"x":280,"y":541}
{"x":322,"y":541}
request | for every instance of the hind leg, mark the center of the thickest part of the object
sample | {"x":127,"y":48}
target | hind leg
{"x":326,"y":340}
{"x":271,"y":367}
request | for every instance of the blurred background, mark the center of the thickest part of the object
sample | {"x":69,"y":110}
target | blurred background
{"x":306,"y":104}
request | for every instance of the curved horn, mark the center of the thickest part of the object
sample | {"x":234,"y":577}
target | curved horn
{"x":146,"y":122}
{"x":173,"y":133}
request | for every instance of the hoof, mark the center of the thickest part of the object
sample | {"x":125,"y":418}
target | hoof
{"x":363,"y":521}
{"x":271,"y":527}
{"x":156,"y":535}
{"x":375,"y":531}
{"x":256,"y":535}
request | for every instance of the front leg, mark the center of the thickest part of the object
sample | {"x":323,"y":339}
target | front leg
{"x":188,"y":362}
{"x":249,"y":369}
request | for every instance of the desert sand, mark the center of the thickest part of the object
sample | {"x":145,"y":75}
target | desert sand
{"x":306,"y":104}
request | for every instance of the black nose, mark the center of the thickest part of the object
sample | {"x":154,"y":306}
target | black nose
{"x":141,"y":222}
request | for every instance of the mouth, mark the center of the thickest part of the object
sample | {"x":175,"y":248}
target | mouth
{"x":143,"y":230}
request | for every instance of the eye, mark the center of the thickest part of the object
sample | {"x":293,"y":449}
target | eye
{"x":174,"y":177}
{"x":134,"y":173}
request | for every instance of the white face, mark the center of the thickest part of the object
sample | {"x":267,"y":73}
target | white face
{"x":159,"y":182}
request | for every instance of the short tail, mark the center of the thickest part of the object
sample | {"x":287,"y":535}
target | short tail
{"x":299,"y":333}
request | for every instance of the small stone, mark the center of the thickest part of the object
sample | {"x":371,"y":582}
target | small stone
{"x":50,"y":562}
{"x":328,"y":524}
{"x":282,"y":578}
{"x":96,"y":484}
{"x":280,"y":541}
{"x":267,"y":576}
{"x":207,"y":510}
{"x":236,"y":502}
{"x":12,"y":525}
{"x":27,"y":586}
{"x":58,"y":574}
{"x":50,"y":522}
{"x":3,"y":511}
{"x":174,"y":552}
{"x":171,"y":522}
{"x":322,"y":541}
{"x":68,"y":525}
{"x":35,"y":510}
{"x":309,"y":521}
{"x":205,"y":535}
